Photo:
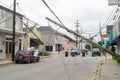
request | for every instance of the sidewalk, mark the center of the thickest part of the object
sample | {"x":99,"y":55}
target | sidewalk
{"x":5,"y":61}
{"x":110,"y":70}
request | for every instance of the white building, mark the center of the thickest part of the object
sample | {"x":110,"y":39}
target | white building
{"x":6,"y":26}
{"x":51,"y":39}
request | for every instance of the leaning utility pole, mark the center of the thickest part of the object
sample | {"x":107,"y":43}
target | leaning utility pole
{"x":88,"y":40}
{"x":13,"y":33}
{"x":100,"y":31}
{"x":77,"y":25}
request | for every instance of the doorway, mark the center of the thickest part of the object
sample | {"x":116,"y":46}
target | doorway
{"x":8,"y":47}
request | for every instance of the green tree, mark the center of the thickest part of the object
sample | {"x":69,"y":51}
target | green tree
{"x":100,"y":43}
{"x":87,"y":46}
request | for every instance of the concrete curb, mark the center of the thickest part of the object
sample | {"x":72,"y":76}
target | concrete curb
{"x":5,"y":62}
{"x":97,"y":71}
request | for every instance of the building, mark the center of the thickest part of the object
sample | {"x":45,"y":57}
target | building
{"x":67,"y":44}
{"x":32,"y":38}
{"x":52,"y":39}
{"x":6,"y":26}
{"x":114,"y":36}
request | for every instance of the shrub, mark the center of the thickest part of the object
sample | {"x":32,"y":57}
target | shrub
{"x":117,"y":58}
{"x":43,"y":53}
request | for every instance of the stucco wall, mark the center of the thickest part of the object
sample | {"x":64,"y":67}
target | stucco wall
{"x":2,"y":47}
{"x":67,"y":45}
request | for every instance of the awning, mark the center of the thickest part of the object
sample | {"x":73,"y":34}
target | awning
{"x":37,"y":41}
{"x":115,"y":41}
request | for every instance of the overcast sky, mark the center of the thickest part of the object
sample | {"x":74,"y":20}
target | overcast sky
{"x":88,"y":12}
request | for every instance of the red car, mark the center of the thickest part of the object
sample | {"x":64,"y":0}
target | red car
{"x":26,"y":57}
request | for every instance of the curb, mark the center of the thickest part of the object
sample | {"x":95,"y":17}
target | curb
{"x":97,"y":71}
{"x":6,"y":63}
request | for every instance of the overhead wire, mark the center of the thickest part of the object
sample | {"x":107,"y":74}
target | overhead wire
{"x":63,"y":26}
{"x":109,"y":17}
{"x":53,"y":13}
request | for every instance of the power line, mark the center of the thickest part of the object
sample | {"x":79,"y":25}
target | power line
{"x":53,"y":12}
{"x":110,"y":16}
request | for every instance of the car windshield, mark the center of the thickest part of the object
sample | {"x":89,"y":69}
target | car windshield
{"x":20,"y":52}
{"x":74,"y":50}
{"x":96,"y":49}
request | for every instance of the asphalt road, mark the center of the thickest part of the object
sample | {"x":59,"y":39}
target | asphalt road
{"x":54,"y":68}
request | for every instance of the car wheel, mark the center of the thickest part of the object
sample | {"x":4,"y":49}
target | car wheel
{"x":38,"y":60}
{"x":28,"y":61}
{"x":16,"y":61}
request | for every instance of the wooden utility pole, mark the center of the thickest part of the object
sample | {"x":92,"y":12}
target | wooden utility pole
{"x":88,"y":40}
{"x":77,"y":25}
{"x":13,"y":33}
{"x":81,"y":39}
{"x":100,"y":31}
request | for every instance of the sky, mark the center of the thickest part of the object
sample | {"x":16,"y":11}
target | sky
{"x":89,"y":13}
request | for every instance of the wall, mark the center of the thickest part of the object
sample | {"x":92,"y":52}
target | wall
{"x":67,"y":45}
{"x":118,"y":48}
{"x":2,"y":47}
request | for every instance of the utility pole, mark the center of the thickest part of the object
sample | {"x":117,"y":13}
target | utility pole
{"x":81,"y":38}
{"x":104,"y":53}
{"x":77,"y":25}
{"x":100,"y":31}
{"x":13,"y":33}
{"x":88,"y":40}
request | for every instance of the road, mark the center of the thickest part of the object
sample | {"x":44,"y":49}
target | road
{"x":54,"y":68}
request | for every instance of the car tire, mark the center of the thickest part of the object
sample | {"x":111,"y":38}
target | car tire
{"x":28,"y":61}
{"x":16,"y":61}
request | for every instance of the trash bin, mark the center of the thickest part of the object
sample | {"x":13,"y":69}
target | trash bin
{"x":93,"y":54}
{"x":66,"y":54}
{"x":73,"y":54}
{"x":83,"y":54}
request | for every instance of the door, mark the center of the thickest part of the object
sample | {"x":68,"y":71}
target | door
{"x":8,"y":48}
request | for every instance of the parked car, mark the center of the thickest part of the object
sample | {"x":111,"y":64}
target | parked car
{"x":26,"y":57}
{"x":75,"y":51}
{"x":96,"y":51}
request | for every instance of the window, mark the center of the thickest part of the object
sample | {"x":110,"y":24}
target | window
{"x":49,"y":48}
{"x":2,"y":15}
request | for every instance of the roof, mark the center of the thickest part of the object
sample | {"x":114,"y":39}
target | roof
{"x":37,"y":41}
{"x":46,"y":28}
{"x":9,"y":10}
{"x":68,"y":38}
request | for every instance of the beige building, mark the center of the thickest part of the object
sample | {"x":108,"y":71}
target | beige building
{"x":32,"y":38}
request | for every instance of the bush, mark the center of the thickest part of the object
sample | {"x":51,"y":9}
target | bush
{"x":43,"y":53}
{"x":117,"y":58}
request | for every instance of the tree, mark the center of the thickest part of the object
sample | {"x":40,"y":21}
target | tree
{"x":87,"y":46}
{"x":100,"y":43}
